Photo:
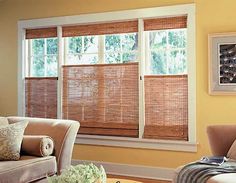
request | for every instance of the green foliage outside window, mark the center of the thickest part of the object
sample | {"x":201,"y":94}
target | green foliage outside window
{"x":112,"y":43}
{"x":75,"y":44}
{"x":82,"y":50}
{"x":158,"y":63}
{"x":121,"y":48}
{"x":38,"y":66}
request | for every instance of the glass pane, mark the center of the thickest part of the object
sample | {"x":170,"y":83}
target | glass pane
{"x":129,"y":57}
{"x":51,"y":66}
{"x":90,"y":44}
{"x":38,"y":46}
{"x":177,"y":38}
{"x":37,"y":66}
{"x":112,"y":43}
{"x":177,"y":63}
{"x":82,"y":59}
{"x":112,"y":58}
{"x":158,"y":63}
{"x":52,"y":46}
{"x":129,"y":42}
{"x":157,"y":39}
{"x":75,"y":44}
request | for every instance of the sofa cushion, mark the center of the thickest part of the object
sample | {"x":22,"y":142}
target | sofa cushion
{"x":10,"y":140}
{"x":223,"y":178}
{"x":27,"y":169}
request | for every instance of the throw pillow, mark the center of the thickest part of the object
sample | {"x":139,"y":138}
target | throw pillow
{"x":10,"y":140}
{"x":232,"y":151}
{"x":37,"y":145}
{"x":3,"y":121}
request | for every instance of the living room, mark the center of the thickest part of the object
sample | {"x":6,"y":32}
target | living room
{"x":140,"y":152}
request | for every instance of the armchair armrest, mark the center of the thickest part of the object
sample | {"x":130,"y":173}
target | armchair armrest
{"x":63,"y":133}
{"x":221,"y":137}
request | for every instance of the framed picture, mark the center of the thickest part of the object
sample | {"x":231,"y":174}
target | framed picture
{"x":222,"y":63}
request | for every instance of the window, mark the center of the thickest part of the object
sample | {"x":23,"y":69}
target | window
{"x":125,"y":81}
{"x":166,"y":81}
{"x":41,"y":81}
{"x":100,"y":89}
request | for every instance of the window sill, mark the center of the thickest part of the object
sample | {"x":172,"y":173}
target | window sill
{"x":170,"y":145}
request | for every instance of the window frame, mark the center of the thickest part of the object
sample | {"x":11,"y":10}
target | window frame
{"x":140,"y":14}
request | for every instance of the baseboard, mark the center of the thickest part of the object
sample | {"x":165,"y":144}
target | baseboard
{"x":132,"y":170}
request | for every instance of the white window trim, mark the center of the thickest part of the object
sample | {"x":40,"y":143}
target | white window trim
{"x":139,"y":14}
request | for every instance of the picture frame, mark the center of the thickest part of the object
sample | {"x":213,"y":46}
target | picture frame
{"x":222,"y":63}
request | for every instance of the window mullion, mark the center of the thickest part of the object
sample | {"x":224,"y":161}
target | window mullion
{"x":59,"y":74}
{"x":121,"y":50}
{"x":29,"y":59}
{"x":147,"y":54}
{"x":82,"y":51}
{"x":141,"y":58}
{"x":101,"y":49}
{"x":65,"y":50}
{"x":45,"y":58}
{"x":167,"y":52}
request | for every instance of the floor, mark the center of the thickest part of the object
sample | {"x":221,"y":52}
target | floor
{"x":139,"y":179}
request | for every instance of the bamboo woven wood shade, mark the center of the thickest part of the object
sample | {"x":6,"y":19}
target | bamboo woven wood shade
{"x":165,"y":23}
{"x":166,"y":107}
{"x":103,"y":98}
{"x":41,"y":97}
{"x":100,"y":29}
{"x":41,"y":33}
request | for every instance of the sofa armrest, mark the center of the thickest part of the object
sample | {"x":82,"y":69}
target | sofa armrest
{"x":63,"y":133}
{"x":221,"y":137}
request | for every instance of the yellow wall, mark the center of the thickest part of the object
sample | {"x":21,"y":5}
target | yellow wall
{"x":212,"y":16}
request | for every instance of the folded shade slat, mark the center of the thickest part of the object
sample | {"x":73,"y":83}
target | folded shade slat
{"x":109,"y":131}
{"x":41,"y":97}
{"x":100,"y":29}
{"x":41,"y":33}
{"x":102,"y":97}
{"x":165,"y":23}
{"x":166,"y":107}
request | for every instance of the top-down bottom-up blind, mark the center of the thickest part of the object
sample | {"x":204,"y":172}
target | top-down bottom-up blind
{"x":101,"y":28}
{"x":41,"y":97}
{"x":166,"y":107}
{"x":164,"y":23}
{"x":41,"y":33}
{"x":103,"y":98}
